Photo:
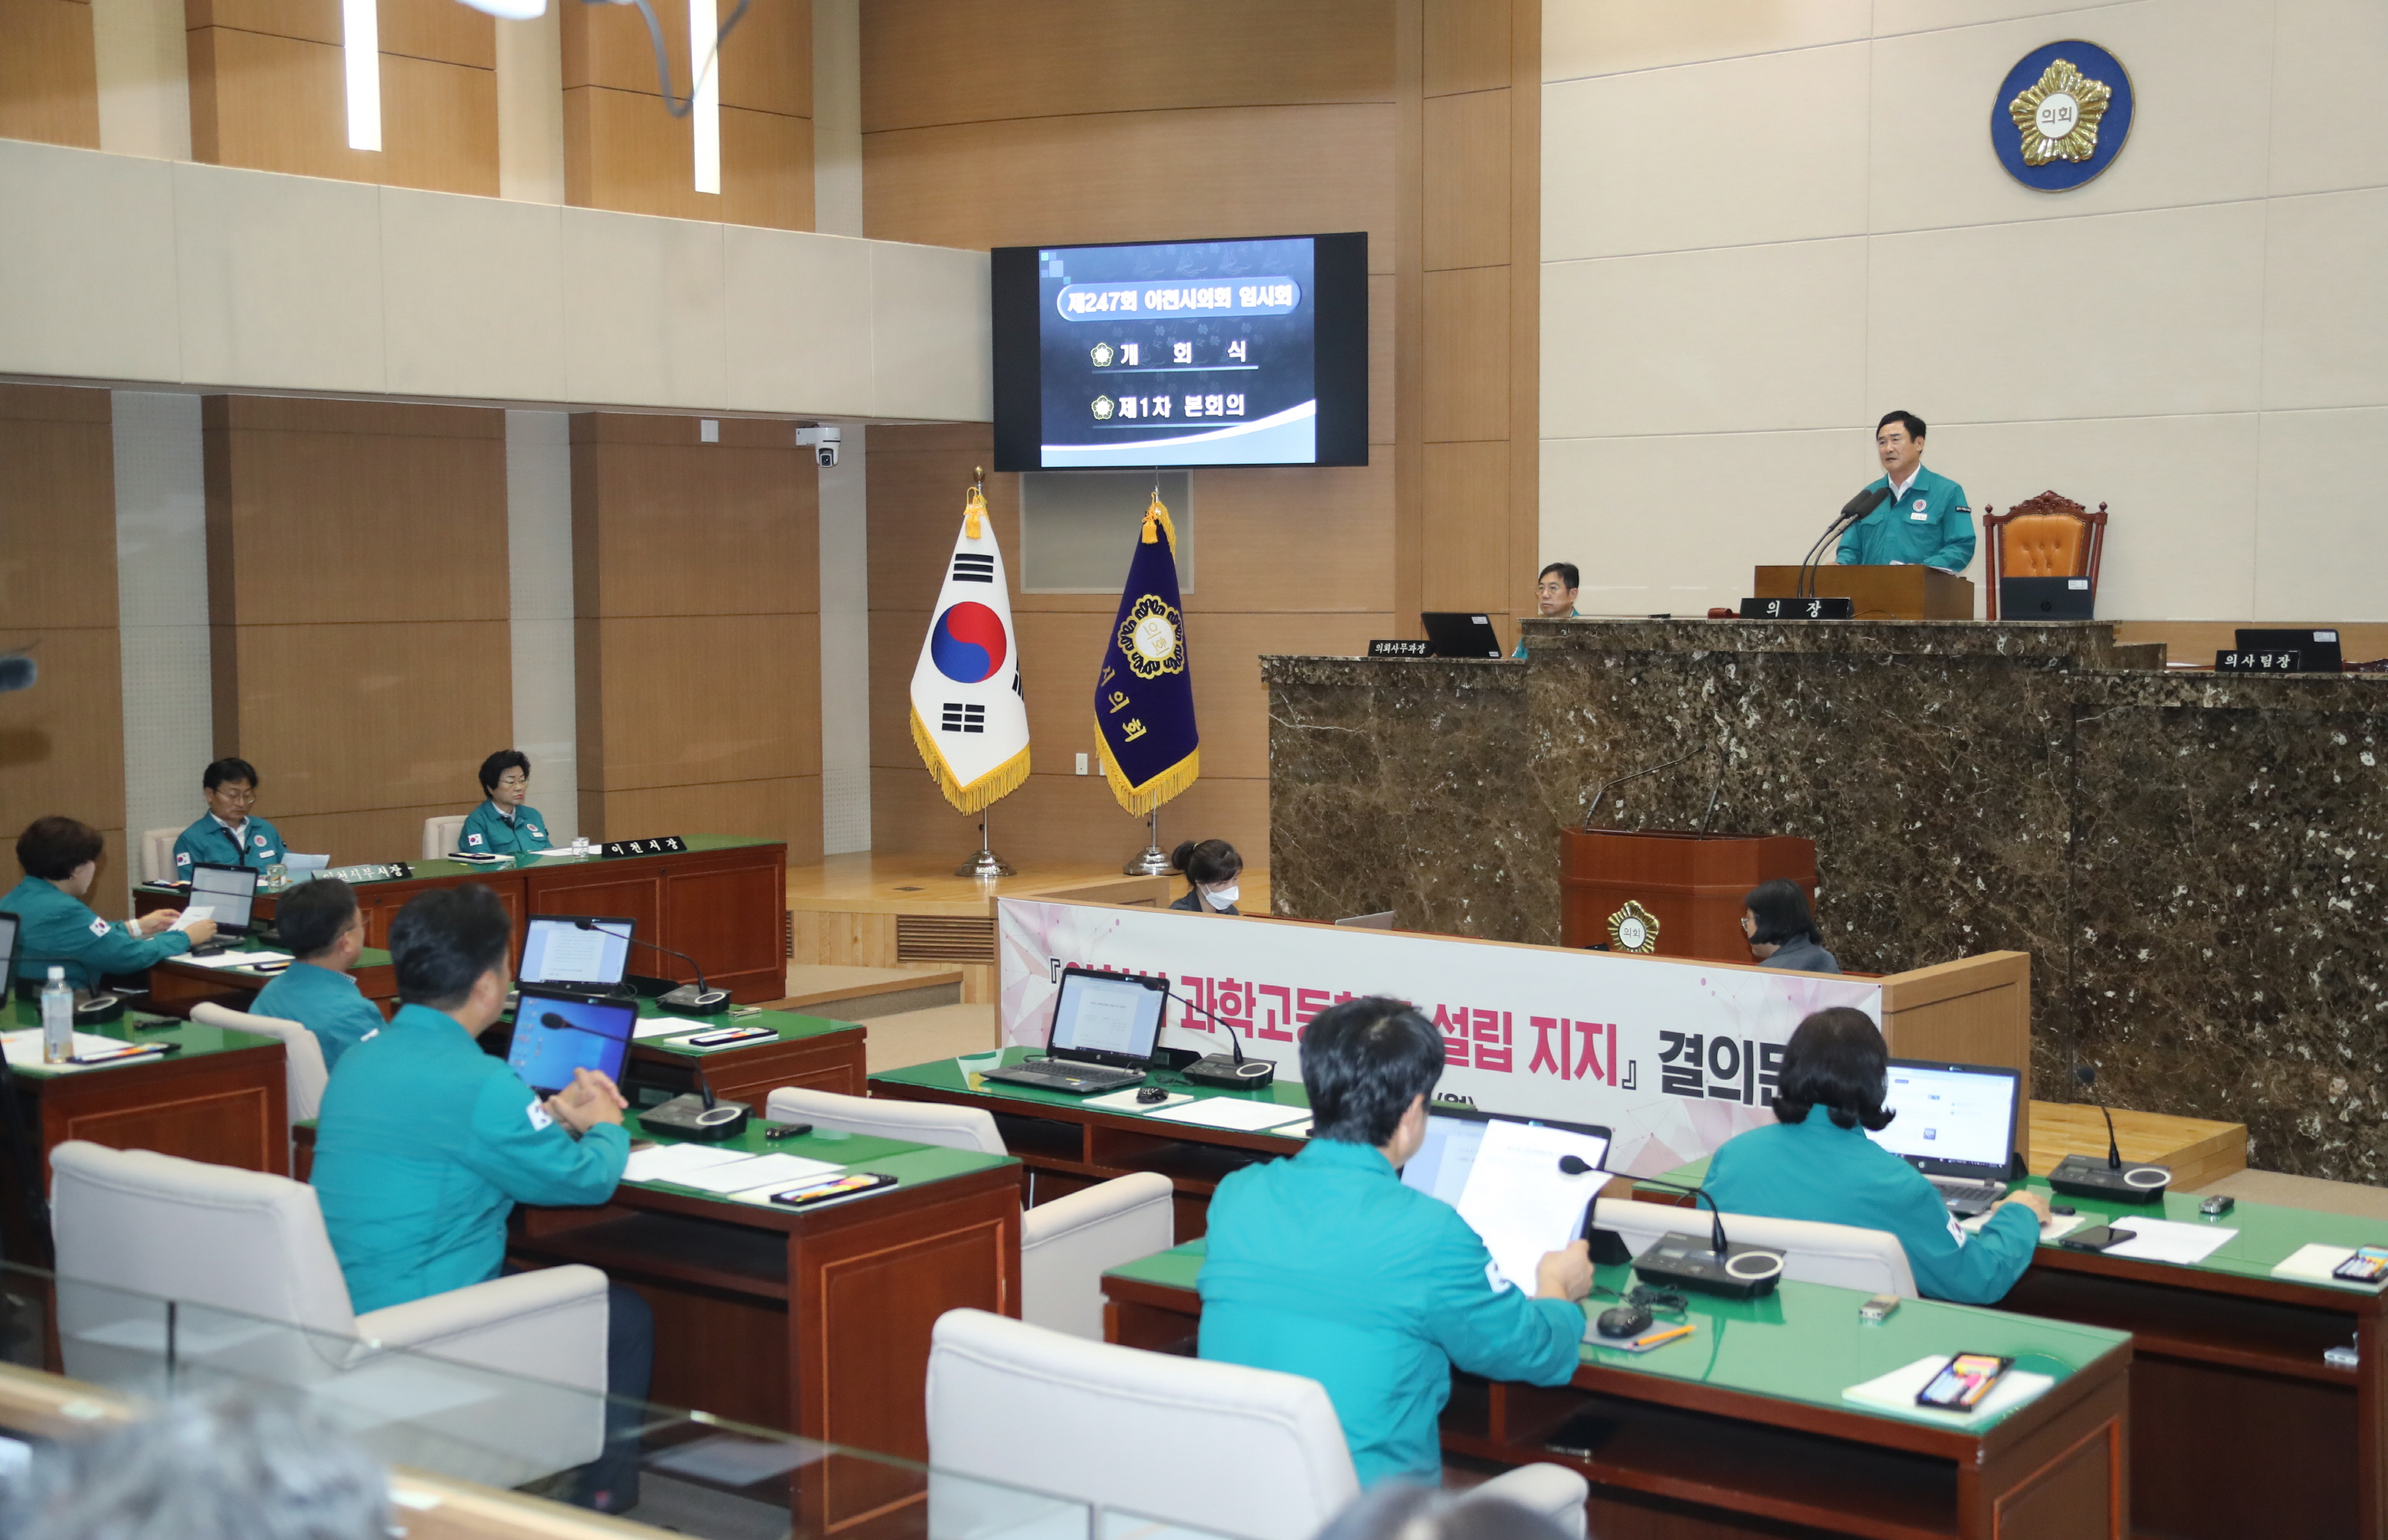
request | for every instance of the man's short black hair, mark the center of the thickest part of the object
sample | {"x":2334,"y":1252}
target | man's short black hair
{"x":444,"y":940}
{"x":499,"y":763}
{"x":1363,"y":1063}
{"x":1782,"y":910}
{"x":311,"y":916}
{"x":1566,"y":574}
{"x":230,"y":767}
{"x":1835,"y":1060}
{"x":1915,"y":424}
{"x":52,"y":848}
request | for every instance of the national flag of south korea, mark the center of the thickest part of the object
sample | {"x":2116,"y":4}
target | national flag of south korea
{"x":968,"y":716}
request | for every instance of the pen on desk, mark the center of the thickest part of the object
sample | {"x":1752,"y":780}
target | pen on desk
{"x":1659,"y":1339}
{"x":131,"y":1050}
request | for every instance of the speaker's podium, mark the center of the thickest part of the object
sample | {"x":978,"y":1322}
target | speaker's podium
{"x":1669,"y":893}
{"x":1877,"y":593}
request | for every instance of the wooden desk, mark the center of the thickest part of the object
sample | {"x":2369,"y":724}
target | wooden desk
{"x":723,"y":902}
{"x":1877,"y":592}
{"x":1740,"y":1427}
{"x":813,"y":1052}
{"x":175,"y":985}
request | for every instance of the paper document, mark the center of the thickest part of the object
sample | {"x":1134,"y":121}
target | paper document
{"x":1895,"y":1392}
{"x":299,"y":869}
{"x":1220,"y":1111}
{"x":2058,"y":1225}
{"x":2168,"y":1241}
{"x":234,"y":960}
{"x":663,"y":1026}
{"x":687,"y":1045}
{"x":1125,"y":1101}
{"x":1519,"y":1201}
{"x":672,"y":1162}
{"x":776,"y":1173}
{"x":24,"y":1051}
{"x":192,"y":916}
{"x":2311,"y":1264}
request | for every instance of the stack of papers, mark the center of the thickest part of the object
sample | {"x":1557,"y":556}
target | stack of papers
{"x":663,"y":1026}
{"x":235,"y":960}
{"x":1226,"y":1112}
{"x":732,"y":1173}
{"x":1895,"y":1393}
{"x":2311,"y":1264}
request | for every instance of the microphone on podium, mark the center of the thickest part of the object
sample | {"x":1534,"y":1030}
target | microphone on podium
{"x":1853,"y":510}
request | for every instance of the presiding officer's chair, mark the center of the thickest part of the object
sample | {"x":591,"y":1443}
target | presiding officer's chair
{"x":246,"y":1256}
{"x":1843,"y":1256}
{"x":441,"y":834}
{"x":2047,"y":536}
{"x":157,"y":855}
{"x":1065,"y":1246}
{"x":302,"y":1055}
{"x":1210,"y":1445}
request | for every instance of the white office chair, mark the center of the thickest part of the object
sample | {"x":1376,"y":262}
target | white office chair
{"x":302,"y":1054}
{"x":246,"y":1256}
{"x":157,"y":855}
{"x":1844,"y":1255}
{"x":1065,"y":1246}
{"x":1216,"y":1446}
{"x":441,"y":834}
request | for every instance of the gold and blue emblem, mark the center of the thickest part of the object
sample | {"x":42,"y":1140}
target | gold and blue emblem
{"x":2062,"y":115}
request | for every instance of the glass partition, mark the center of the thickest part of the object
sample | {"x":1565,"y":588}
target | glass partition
{"x":440,"y":1420}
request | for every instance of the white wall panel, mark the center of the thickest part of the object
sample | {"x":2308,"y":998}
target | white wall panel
{"x":2324,"y":304}
{"x":2326,"y":55}
{"x":87,"y":264}
{"x":1606,"y":37}
{"x":539,"y":611}
{"x":161,"y":596}
{"x":506,"y":329}
{"x":2322,"y":537}
{"x":280,"y":279}
{"x":933,"y":336}
{"x":643,"y":310}
{"x":804,"y":335}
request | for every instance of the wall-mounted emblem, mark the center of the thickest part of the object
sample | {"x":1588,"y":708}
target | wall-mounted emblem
{"x":1634,"y":929}
{"x":2062,"y":115}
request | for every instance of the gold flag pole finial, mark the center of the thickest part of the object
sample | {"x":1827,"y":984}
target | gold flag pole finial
{"x":1157,"y":516}
{"x":975,"y":509}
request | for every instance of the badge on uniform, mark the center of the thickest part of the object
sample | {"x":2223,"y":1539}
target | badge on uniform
{"x":100,"y":927}
{"x":536,"y":831}
{"x":1919,"y":516}
{"x":182,"y":858}
{"x":260,"y":839}
{"x":472,"y":839}
{"x":540,"y":1119}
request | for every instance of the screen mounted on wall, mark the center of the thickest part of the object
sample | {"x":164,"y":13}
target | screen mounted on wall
{"x":1226,"y":352}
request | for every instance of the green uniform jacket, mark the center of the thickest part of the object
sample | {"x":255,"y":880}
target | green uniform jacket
{"x":1326,"y":1266}
{"x":53,"y":927}
{"x":1816,"y":1170}
{"x":207,"y":843}
{"x":424,"y":1146}
{"x":1933,"y":526}
{"x":488,"y":832}
{"x":326,"y":1003}
{"x":1520,"y":650}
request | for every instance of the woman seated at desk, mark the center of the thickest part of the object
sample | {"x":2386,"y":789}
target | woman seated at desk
{"x":502,"y":825}
{"x":1816,"y":1164}
{"x":56,"y":927}
{"x":1781,"y":930}
{"x":1211,"y":868}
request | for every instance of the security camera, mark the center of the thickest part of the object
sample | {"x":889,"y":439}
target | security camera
{"x":823,"y":440}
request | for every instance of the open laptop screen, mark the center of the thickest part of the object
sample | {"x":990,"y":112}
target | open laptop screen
{"x":557,"y":1034}
{"x":1950,"y":1116}
{"x":564,"y":948}
{"x":1106,"y":1018}
{"x":229,"y":891}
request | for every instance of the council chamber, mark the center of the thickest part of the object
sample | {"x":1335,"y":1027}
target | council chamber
{"x":924,"y":770}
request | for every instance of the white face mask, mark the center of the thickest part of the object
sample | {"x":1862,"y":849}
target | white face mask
{"x":1221,"y":896}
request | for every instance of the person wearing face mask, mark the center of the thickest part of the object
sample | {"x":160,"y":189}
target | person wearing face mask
{"x":1211,"y":867}
{"x":1781,"y":931}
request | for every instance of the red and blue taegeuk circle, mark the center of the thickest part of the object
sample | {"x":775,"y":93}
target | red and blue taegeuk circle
{"x":968,"y":644}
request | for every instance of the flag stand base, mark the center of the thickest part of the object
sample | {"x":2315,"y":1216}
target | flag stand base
{"x":986,"y":865}
{"x":1154,"y":862}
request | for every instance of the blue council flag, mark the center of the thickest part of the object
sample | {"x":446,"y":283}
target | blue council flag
{"x":1144,"y":697}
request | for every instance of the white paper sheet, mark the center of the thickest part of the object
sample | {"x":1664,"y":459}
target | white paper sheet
{"x":1895,"y":1392}
{"x":192,"y":916}
{"x":2312,"y":1263}
{"x":1221,"y":1112}
{"x":23,"y":1050}
{"x":663,"y":1026}
{"x":1519,"y":1201}
{"x":685,"y":1045}
{"x":2057,"y":1227}
{"x":672,"y":1162}
{"x":765,"y":1174}
{"x":235,"y":960}
{"x":1125,"y":1101}
{"x":2168,"y":1241}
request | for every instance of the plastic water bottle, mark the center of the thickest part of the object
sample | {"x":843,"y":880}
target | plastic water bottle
{"x":580,"y":845}
{"x":58,"y":1019}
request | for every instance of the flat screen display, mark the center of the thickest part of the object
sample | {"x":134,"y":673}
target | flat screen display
{"x":1960,"y":1114}
{"x":228,"y":892}
{"x":1107,"y":1017}
{"x":572,"y":950}
{"x":557,"y":1034}
{"x":1218,"y":353}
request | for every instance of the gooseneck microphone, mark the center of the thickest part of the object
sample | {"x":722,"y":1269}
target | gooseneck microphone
{"x":1853,"y":510}
{"x":1735,"y":1271}
{"x":2088,"y":1075}
{"x":1218,"y":1069}
{"x":2086,"y":1176}
{"x":698,"y":999}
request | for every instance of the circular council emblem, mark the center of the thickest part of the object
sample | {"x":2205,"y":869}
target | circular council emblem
{"x":2062,"y":115}
{"x":1102,"y":353}
{"x":1151,"y":638}
{"x":1633,"y":928}
{"x":1922,"y":504}
{"x":968,"y":644}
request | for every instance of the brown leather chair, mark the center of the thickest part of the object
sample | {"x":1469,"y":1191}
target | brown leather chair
{"x":2046,"y":536}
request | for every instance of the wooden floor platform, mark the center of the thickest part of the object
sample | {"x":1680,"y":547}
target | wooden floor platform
{"x":2200,"y":1153}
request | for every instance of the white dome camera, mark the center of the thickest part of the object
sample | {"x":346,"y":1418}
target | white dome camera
{"x":823,"y":440}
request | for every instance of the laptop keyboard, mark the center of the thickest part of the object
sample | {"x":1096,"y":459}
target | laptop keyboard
{"x":1052,"y":1075}
{"x":1967,"y":1197}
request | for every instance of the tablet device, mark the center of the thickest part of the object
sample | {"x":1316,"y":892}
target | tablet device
{"x":555,"y":1034}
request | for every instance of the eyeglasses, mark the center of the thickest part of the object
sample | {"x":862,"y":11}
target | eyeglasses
{"x":229,"y":794}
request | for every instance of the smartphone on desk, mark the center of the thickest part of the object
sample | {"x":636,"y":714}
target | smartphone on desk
{"x":2097,"y":1238}
{"x":1962,"y":1383}
{"x":730,"y":1035}
{"x":2369,"y":1265}
{"x":836,"y":1187}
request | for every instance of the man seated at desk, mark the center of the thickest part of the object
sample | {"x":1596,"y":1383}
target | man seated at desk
{"x":56,"y":928}
{"x":501,"y":825}
{"x":1326,"y":1266}
{"x":1555,"y":594}
{"x":1817,"y":1163}
{"x":325,"y":931}
{"x":228,"y":834}
{"x":425,"y":1143}
{"x":1923,"y":522}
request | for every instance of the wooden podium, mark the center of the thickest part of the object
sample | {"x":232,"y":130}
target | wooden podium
{"x":1878,"y":592}
{"x":1691,"y":884}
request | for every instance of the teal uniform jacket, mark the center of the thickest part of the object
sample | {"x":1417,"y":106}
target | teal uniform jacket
{"x":1932,"y":526}
{"x":1326,"y":1266}
{"x":488,"y":832}
{"x":1816,"y":1170}
{"x":326,"y":1003}
{"x":207,"y":843}
{"x":54,"y":928}
{"x":424,"y":1146}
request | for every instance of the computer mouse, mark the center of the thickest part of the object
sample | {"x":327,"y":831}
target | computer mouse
{"x":1151,"y":1093}
{"x":1625,"y":1320}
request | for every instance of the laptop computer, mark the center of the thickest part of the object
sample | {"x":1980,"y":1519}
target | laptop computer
{"x":2045,"y":599}
{"x":229,"y":892}
{"x":1956,"y":1124}
{"x":576,"y":954}
{"x":555,"y":1034}
{"x":1452,"y":634}
{"x":1105,"y":1026}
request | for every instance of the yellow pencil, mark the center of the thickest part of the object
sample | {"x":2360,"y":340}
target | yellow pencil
{"x":1659,"y":1339}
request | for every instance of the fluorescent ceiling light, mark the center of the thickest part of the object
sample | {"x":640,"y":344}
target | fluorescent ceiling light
{"x":361,"y":48}
{"x":704,"y":113}
{"x":511,"y":11}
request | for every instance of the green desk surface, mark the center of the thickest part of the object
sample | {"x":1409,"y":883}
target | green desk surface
{"x":697,"y":844}
{"x":135,"y":1027}
{"x":1803,"y":1343}
{"x":2267,"y":1233}
{"x":788,"y":1024}
{"x":371,"y":957}
{"x":946,"y":1074}
{"x":910,"y":1164}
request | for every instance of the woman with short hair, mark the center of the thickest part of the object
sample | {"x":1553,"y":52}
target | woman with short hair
{"x":1782,"y":933}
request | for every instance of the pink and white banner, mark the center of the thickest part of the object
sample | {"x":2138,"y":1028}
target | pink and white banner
{"x":1674,"y":1057}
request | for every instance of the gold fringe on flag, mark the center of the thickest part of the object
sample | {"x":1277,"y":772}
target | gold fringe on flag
{"x":1158,"y":515}
{"x":1139,"y":800}
{"x":992,"y":787}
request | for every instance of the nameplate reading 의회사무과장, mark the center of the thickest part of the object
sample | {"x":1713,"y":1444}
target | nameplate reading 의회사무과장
{"x":2239,"y":661}
{"x":1398,"y":649}
{"x":1798,"y":609}
{"x":669,"y":845}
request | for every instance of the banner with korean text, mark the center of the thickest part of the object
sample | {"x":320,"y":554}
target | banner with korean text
{"x":1673,"y":1057}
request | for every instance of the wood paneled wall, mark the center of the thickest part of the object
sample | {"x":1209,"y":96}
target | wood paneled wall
{"x":358,"y":603}
{"x":62,"y":741}
{"x":49,"y":81}
{"x":268,"y":91}
{"x":623,"y":150}
{"x":697,"y":638}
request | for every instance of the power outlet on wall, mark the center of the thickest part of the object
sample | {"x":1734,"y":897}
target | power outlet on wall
{"x":1082,"y":764}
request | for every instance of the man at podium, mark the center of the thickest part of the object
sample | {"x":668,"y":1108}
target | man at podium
{"x":1926,"y":521}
